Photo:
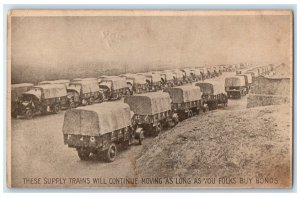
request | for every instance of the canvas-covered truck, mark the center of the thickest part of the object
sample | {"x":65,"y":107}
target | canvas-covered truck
{"x":178,"y":77}
{"x":216,"y":71}
{"x":153,"y":80}
{"x":100,"y":129}
{"x":83,"y":92}
{"x":204,"y":73}
{"x":114,"y":87}
{"x":187,"y":77}
{"x":16,"y":92}
{"x":213,"y":94}
{"x":248,"y":81}
{"x":186,"y":100}
{"x":167,"y":79}
{"x":210,"y":72}
{"x":138,"y":83}
{"x":42,"y":99}
{"x":152,"y":111}
{"x":235,"y":87}
{"x":196,"y":74}
{"x":221,"y":69}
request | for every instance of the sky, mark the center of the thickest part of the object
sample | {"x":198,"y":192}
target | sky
{"x":78,"y":46}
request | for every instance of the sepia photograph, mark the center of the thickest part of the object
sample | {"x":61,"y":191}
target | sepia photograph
{"x":149,"y":99}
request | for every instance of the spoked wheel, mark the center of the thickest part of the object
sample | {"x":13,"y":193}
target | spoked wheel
{"x":55,"y":108}
{"x":119,"y":96}
{"x":29,"y":114}
{"x":91,"y":101}
{"x":189,"y":114}
{"x":226,"y":104}
{"x":205,"y":109}
{"x":239,"y":95}
{"x":83,"y":154}
{"x":84,"y":102}
{"x":141,"y":137}
{"x":72,"y":105}
{"x":157,"y":129}
{"x":111,"y":153}
{"x":176,"y":120}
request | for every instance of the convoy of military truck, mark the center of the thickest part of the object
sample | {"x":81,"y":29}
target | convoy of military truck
{"x":152,"y":101}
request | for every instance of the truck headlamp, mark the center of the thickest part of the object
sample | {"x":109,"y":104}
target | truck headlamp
{"x":92,"y":139}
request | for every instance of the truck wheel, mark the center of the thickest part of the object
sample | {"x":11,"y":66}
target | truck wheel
{"x":55,"y":108}
{"x":141,"y":137}
{"x":239,"y":95}
{"x":127,"y":93}
{"x":72,"y":105}
{"x":119,"y":96}
{"x":175,"y":120}
{"x":189,"y":114}
{"x":29,"y":114}
{"x":111,"y":153}
{"x":91,"y":101}
{"x":83,"y":154}
{"x":157,"y":129}
{"x":198,"y":111}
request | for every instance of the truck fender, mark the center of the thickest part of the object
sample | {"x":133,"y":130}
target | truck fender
{"x":175,"y":116}
{"x":138,"y":133}
{"x":28,"y":108}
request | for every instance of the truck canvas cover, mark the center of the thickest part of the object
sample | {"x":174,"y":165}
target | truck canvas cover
{"x":126,"y":75}
{"x":178,"y":73}
{"x":117,"y":82}
{"x":235,"y":81}
{"x":97,"y":120}
{"x":184,"y":94}
{"x":102,"y":77}
{"x":167,"y":75}
{"x":88,"y":86}
{"x":216,"y":68}
{"x":150,"y":103}
{"x":195,"y":71}
{"x":61,"y":81}
{"x":45,"y":82}
{"x":203,"y":70}
{"x":248,"y":77}
{"x":137,"y":79}
{"x":18,"y":89}
{"x":153,"y":77}
{"x":211,"y":87}
{"x":187,"y":72}
{"x":50,"y":90}
{"x":206,"y":88}
{"x":77,"y":79}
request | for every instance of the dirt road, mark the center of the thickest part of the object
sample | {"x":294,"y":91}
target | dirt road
{"x":38,"y":151}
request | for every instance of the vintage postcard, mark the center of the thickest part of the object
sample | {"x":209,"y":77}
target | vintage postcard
{"x":149,"y":99}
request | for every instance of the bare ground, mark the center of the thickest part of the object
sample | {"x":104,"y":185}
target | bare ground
{"x":241,"y":143}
